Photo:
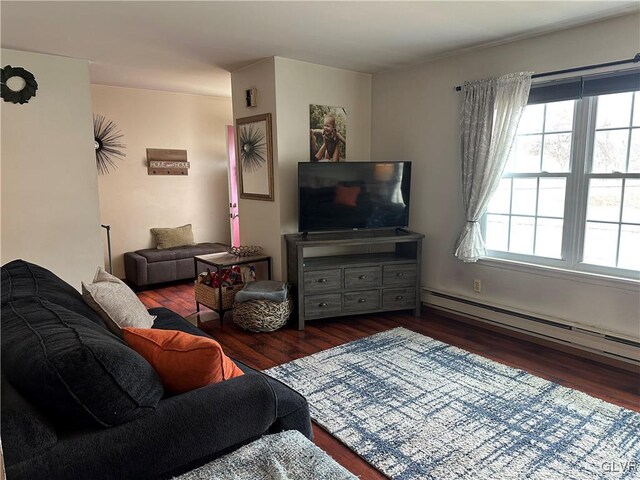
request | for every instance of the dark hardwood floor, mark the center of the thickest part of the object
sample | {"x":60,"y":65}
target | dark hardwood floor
{"x":265,"y":350}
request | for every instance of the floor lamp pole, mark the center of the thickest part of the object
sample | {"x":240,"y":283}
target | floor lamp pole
{"x":108,"y":229}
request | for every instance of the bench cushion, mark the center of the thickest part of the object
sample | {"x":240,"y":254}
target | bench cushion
{"x":178,"y":253}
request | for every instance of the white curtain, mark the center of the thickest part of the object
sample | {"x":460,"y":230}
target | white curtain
{"x":490,"y":115}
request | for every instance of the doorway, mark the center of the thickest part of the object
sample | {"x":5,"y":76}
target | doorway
{"x":233,"y":188}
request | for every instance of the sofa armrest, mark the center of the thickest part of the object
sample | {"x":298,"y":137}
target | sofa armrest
{"x":184,"y":431}
{"x":135,"y":269}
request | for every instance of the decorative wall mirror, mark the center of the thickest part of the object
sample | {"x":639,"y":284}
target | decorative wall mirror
{"x":255,"y":155}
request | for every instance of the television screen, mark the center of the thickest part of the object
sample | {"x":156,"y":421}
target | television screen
{"x":353,"y":195}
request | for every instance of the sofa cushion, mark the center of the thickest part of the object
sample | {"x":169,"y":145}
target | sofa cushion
{"x":178,"y":253}
{"x":169,"y":320}
{"x":24,"y":427}
{"x":184,"y":362}
{"x":22,"y":280}
{"x":75,"y":371}
{"x":115,"y":302}
{"x":173,"y":237}
{"x":292,"y":411}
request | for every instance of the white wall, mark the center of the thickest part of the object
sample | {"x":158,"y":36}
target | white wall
{"x":286,"y":88}
{"x":298,"y":85}
{"x":260,"y":220}
{"x":415,"y":117}
{"x":131,"y":200}
{"x":50,"y":213}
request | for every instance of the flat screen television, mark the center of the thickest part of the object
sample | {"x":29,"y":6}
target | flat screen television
{"x":353,"y":195}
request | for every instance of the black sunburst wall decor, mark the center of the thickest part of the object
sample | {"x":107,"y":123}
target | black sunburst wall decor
{"x":253,"y":147}
{"x":108,"y":144}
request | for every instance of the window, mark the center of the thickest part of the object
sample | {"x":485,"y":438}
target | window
{"x":570,"y":193}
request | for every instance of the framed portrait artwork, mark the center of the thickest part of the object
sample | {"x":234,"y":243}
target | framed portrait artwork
{"x":254,"y":152}
{"x":328,"y":130}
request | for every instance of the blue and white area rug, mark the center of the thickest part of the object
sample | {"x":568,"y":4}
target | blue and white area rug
{"x":417,"y":408}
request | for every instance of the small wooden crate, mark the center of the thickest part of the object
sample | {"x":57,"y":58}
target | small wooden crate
{"x":210,"y":297}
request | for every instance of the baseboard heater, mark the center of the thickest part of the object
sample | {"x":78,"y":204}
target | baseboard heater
{"x":578,"y":336}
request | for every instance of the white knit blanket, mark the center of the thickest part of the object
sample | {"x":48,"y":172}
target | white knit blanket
{"x":281,"y":456}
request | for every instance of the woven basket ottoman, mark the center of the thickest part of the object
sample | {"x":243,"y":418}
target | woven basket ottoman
{"x":262,"y":315}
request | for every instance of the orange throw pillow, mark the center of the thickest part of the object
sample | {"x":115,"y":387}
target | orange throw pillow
{"x":347,"y":196}
{"x":184,"y":362}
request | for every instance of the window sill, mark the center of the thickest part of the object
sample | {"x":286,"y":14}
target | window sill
{"x":555,"y":272}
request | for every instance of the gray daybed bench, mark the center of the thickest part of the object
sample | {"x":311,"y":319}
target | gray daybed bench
{"x":150,"y":265}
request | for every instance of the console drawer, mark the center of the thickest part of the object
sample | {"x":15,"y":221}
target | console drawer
{"x":361,"y":301}
{"x":362,"y":277}
{"x":317,"y":281}
{"x":322,"y":305}
{"x":404,"y":274}
{"x":398,"y":298}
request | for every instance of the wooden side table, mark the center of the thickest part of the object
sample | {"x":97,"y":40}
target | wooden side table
{"x":220,"y":261}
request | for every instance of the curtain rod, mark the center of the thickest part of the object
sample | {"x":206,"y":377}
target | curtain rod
{"x":635,"y":59}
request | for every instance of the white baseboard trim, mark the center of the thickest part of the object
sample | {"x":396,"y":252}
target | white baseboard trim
{"x":559,"y":331}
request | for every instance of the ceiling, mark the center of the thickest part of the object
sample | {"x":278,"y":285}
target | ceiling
{"x":191,"y":47}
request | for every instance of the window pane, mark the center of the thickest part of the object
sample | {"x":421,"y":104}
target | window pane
{"x":614,"y":110}
{"x":501,"y":198}
{"x":604,"y":199}
{"x":549,"y":237}
{"x":559,"y":117}
{"x":631,"y":208}
{"x":634,"y":151}
{"x":531,"y":121}
{"x":497,"y":232}
{"x":551,"y":197}
{"x":600,"y":244}
{"x":610,"y":151}
{"x":629,"y":255}
{"x":521,"y":235}
{"x":524,"y":196}
{"x":557,"y":152}
{"x":526,"y":213}
{"x":525,"y":154}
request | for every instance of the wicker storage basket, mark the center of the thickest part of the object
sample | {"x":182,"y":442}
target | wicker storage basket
{"x":209,"y":296}
{"x":262,"y":315}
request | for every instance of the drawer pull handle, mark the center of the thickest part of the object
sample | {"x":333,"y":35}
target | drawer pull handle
{"x":322,"y":280}
{"x":362,"y":277}
{"x":322,"y":305}
{"x":399,"y":274}
{"x":399,"y":297}
{"x":362,"y":300}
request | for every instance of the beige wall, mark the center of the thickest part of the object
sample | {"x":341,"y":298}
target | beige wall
{"x":415,"y":117}
{"x":50,"y":213}
{"x":286,"y":88}
{"x":132,"y":201}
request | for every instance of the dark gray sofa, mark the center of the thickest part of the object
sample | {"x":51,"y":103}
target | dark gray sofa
{"x":151,"y":266}
{"x":50,"y":334}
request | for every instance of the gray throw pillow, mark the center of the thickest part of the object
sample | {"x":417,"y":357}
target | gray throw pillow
{"x":116,"y":303}
{"x":173,"y":237}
